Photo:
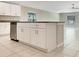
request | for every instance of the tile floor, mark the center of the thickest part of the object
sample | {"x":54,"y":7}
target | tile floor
{"x":10,"y":48}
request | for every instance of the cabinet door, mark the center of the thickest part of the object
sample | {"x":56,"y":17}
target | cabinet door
{"x":41,"y":37}
{"x":27,"y":35}
{"x":15,"y":10}
{"x":20,"y":33}
{"x":18,"y":10}
{"x":6,"y":9}
{"x":23,"y":34}
{"x":38,"y":38}
{"x":1,"y":10}
{"x":33,"y":35}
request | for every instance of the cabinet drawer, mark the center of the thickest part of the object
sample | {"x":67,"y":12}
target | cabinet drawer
{"x":23,"y":25}
{"x":40,"y":25}
{"x":37,"y":25}
{"x":32,"y":25}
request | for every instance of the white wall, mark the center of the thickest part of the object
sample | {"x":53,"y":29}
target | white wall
{"x":41,"y":15}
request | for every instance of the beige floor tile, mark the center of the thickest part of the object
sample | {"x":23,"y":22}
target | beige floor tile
{"x":14,"y":55}
{"x":61,"y":55}
{"x":63,"y":52}
{"x":73,"y":46}
{"x":50,"y":54}
{"x":39,"y":55}
{"x":29,"y":51}
{"x":69,"y":52}
{"x":13,"y":49}
{"x":77,"y":55}
{"x":26,"y":53}
{"x":4,"y":52}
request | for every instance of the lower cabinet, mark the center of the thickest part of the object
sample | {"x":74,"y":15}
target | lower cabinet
{"x":23,"y":34}
{"x":20,"y":33}
{"x":38,"y":37}
{"x":47,"y":38}
{"x":42,"y":38}
{"x":27,"y":35}
{"x":33,"y":36}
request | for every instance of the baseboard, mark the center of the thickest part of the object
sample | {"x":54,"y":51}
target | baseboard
{"x":35,"y":47}
{"x":41,"y":49}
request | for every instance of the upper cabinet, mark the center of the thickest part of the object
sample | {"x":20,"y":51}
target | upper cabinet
{"x":15,"y":10}
{"x":6,"y":9}
{"x":9,"y":9}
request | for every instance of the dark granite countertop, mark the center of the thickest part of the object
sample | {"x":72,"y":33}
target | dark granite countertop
{"x":32,"y":22}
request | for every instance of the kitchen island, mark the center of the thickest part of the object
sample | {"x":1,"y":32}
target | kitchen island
{"x":42,"y":35}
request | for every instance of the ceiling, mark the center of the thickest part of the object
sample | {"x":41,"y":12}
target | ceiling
{"x":52,"y":6}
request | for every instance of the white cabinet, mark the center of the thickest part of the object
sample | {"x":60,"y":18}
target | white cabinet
{"x":20,"y":33}
{"x":15,"y":10}
{"x":41,"y":25}
{"x":34,"y":40}
{"x":27,"y":35}
{"x":26,"y":25}
{"x":38,"y":37}
{"x":4,"y":9}
{"x":41,"y":36}
{"x":51,"y":36}
{"x":10,"y":9}
{"x":1,"y":8}
{"x":23,"y":34}
{"x":46,"y":37}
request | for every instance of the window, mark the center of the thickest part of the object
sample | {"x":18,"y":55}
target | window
{"x":71,"y":19}
{"x":31,"y":17}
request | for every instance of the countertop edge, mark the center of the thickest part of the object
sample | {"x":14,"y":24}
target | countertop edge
{"x":33,"y":22}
